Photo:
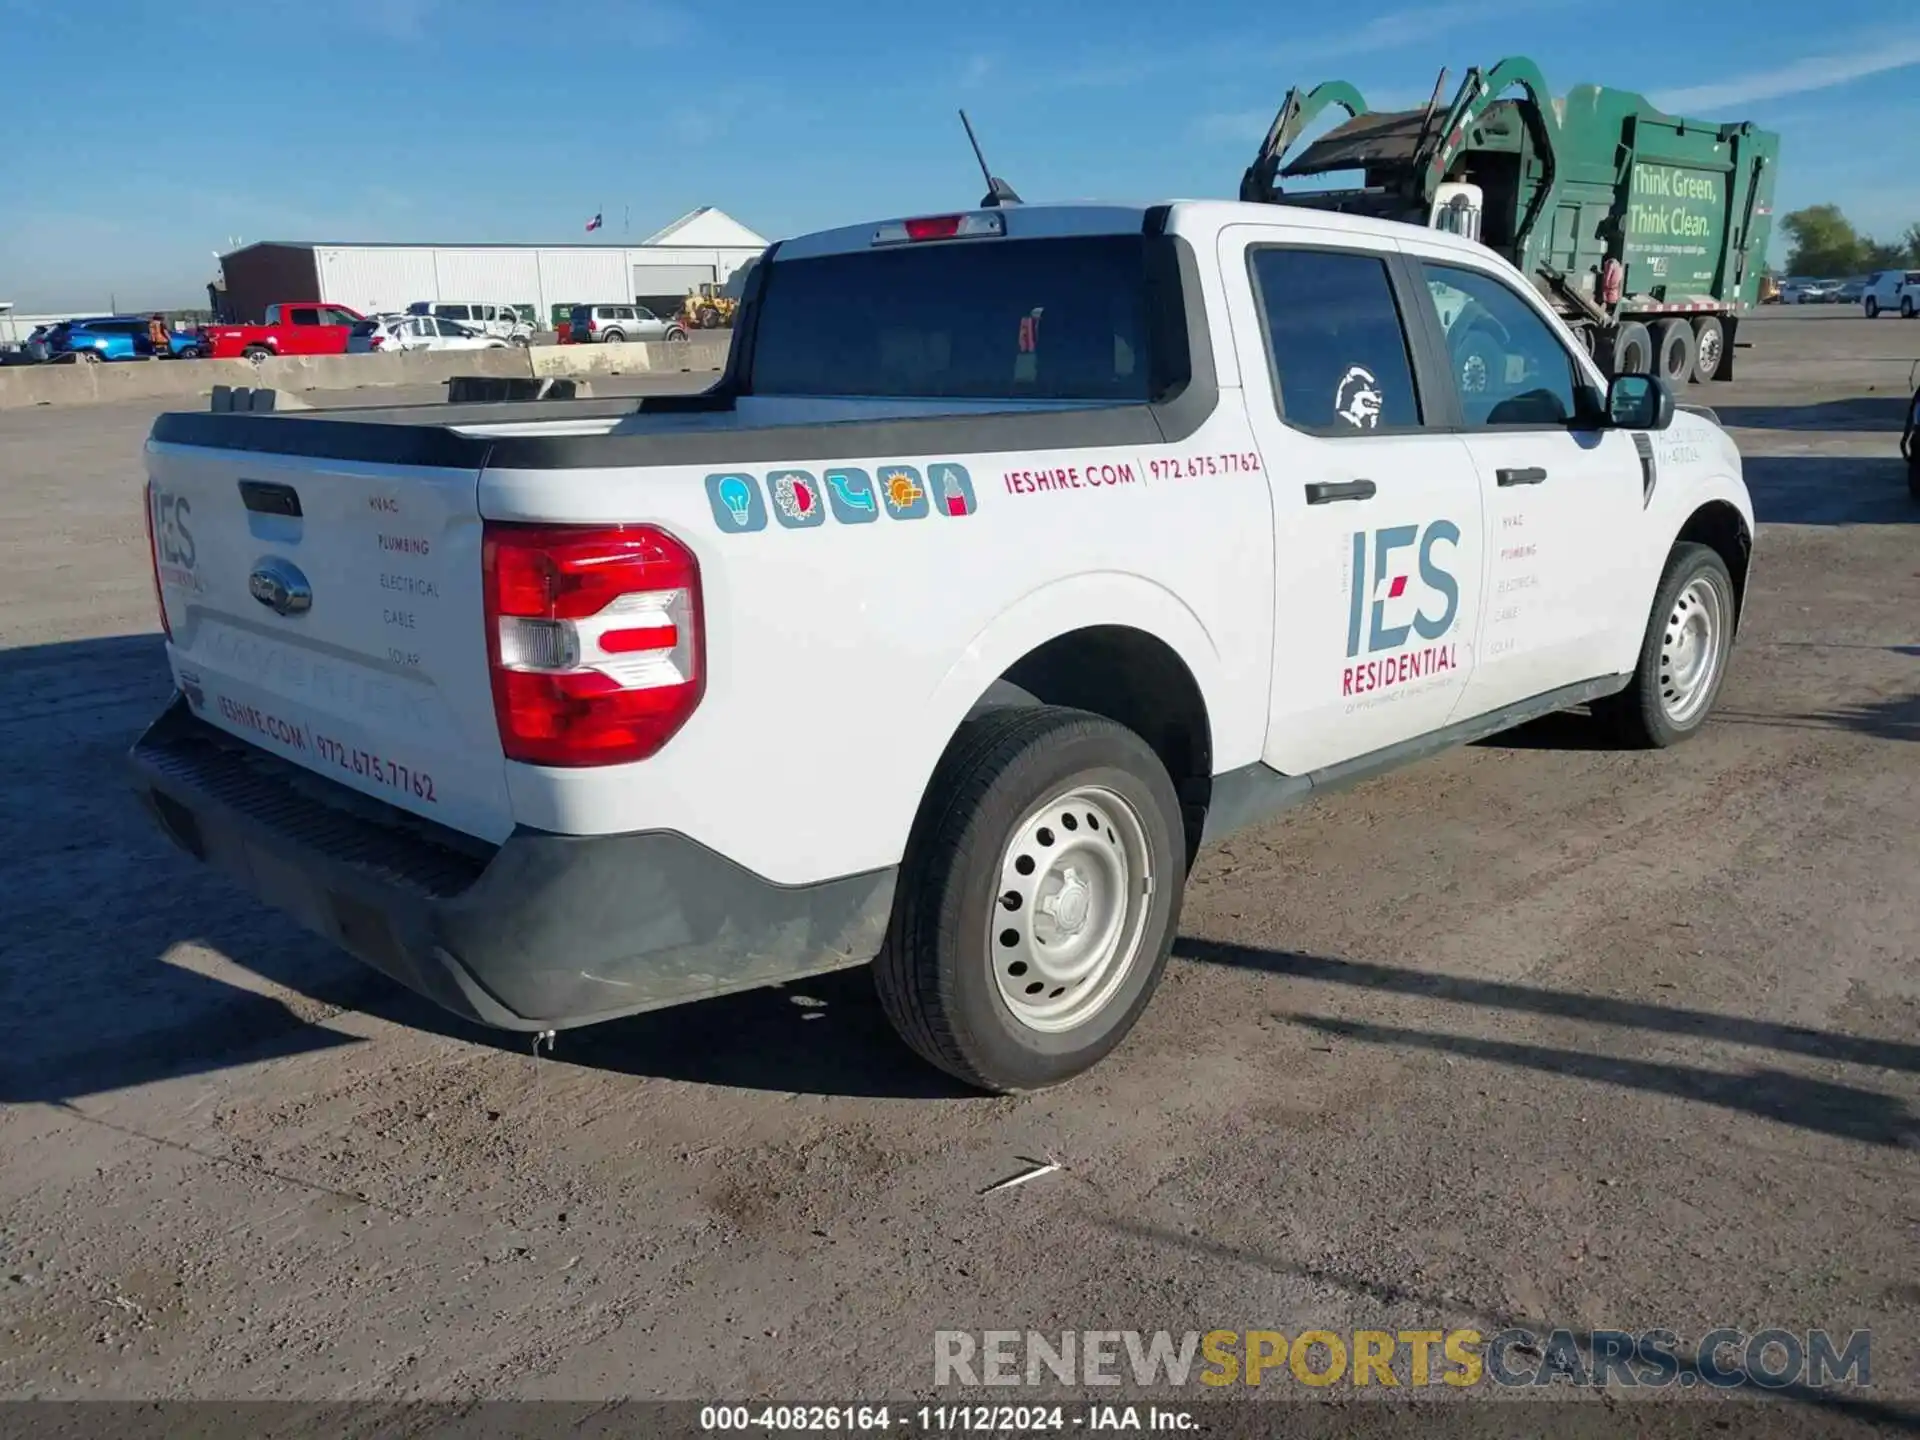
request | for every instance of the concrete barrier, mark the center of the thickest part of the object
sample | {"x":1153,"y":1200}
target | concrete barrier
{"x":26,"y":385}
{"x":699,"y":354}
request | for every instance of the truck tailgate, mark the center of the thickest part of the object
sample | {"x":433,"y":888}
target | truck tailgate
{"x":331,"y":612}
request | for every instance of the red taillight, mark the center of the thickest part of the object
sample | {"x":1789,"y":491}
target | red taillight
{"x":595,"y":637}
{"x":374,"y":342}
{"x":153,"y":558}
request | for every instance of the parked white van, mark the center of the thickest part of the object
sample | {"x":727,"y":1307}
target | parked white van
{"x":482,"y":317}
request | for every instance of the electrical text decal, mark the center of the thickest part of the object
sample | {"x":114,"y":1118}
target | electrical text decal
{"x":1386,"y":613}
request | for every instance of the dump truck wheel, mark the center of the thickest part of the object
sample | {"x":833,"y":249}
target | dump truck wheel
{"x":1632,"y":350}
{"x":1673,"y":351}
{"x":1709,"y":344}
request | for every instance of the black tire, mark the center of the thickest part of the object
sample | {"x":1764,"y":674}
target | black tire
{"x":675,"y":336}
{"x":936,"y":974}
{"x":613,"y":337}
{"x":1632,"y":352}
{"x":256,"y":353}
{"x":1907,"y":311}
{"x":1872,"y":308}
{"x":1673,"y":352}
{"x":1709,"y":346}
{"x":1639,"y":716}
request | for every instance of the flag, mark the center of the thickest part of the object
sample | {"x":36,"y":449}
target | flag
{"x":594,"y":223}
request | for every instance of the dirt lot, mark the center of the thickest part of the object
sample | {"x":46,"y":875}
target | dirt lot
{"x":1532,"y":1034}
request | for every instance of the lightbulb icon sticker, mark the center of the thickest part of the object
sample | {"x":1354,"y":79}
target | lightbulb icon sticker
{"x":738,"y":506}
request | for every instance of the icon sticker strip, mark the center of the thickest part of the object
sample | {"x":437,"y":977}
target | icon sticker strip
{"x":742,"y":502}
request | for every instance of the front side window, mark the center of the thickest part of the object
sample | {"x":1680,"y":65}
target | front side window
{"x":451,"y":312}
{"x":1335,"y":340}
{"x":1507,"y":363}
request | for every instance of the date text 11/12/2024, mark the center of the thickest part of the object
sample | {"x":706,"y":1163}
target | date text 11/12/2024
{"x":944,"y":1419}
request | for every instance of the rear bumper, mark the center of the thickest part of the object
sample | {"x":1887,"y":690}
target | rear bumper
{"x":542,"y":932}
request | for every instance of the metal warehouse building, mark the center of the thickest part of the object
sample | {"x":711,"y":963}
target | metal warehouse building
{"x":705,"y":246}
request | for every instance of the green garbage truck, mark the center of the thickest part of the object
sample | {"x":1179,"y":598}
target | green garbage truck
{"x":1646,"y":231}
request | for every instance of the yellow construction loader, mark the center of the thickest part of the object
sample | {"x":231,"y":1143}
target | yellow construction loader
{"x":707,"y":309}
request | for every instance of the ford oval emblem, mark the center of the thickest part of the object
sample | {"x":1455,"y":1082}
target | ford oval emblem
{"x":279,"y":585}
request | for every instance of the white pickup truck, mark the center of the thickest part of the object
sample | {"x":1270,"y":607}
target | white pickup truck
{"x":1015,"y":554}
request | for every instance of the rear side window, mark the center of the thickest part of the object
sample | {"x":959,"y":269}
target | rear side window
{"x":451,"y":312}
{"x":304,"y":315}
{"x":1048,"y":319}
{"x":1335,"y":337}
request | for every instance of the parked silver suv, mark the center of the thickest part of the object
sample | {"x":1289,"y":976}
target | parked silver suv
{"x":616,"y":324}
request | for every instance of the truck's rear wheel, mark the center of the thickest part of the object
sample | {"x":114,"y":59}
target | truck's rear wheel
{"x":1683,"y":657}
{"x":1709,"y":344}
{"x":1632,"y":350}
{"x":258,"y":354}
{"x":1040,"y":896}
{"x":1673,"y":352}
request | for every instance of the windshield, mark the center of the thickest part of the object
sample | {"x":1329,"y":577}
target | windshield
{"x":1052,"y":319}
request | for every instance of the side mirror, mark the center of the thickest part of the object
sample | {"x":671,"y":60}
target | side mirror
{"x":1639,"y":402}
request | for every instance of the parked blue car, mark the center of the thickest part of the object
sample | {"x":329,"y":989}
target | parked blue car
{"x":117,"y":337}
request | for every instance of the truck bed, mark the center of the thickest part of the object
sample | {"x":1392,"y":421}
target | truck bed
{"x":671,"y":430}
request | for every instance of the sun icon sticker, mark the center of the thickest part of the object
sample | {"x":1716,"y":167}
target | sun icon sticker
{"x":906,"y":497}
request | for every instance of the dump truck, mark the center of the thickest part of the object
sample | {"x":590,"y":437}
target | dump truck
{"x":1646,"y":231}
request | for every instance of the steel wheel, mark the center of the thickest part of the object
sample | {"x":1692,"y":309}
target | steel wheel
{"x":1709,"y":357}
{"x":1076,"y":883}
{"x":1692,"y":649}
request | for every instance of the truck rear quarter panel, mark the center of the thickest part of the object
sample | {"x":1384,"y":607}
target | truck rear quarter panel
{"x":845,"y":645}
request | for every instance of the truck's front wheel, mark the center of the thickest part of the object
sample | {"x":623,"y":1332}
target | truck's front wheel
{"x":1683,"y":654}
{"x":1039,"y":898}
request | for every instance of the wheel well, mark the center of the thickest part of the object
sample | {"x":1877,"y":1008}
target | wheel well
{"x":1136,"y":680}
{"x":1721,"y":528}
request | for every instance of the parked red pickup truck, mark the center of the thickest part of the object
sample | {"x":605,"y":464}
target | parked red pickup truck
{"x":293,"y":327}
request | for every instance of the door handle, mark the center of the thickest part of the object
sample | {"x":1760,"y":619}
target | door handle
{"x":1326,"y":492}
{"x":1531,"y":475}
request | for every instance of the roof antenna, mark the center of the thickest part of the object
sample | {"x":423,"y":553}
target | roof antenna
{"x":998,"y":191}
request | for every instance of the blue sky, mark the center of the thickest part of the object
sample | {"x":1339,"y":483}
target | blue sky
{"x":160,"y":128}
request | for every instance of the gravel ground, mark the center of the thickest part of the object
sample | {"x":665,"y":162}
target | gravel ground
{"x":1533,"y":1034}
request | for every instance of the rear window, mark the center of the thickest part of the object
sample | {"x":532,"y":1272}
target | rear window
{"x":1054,"y":319}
